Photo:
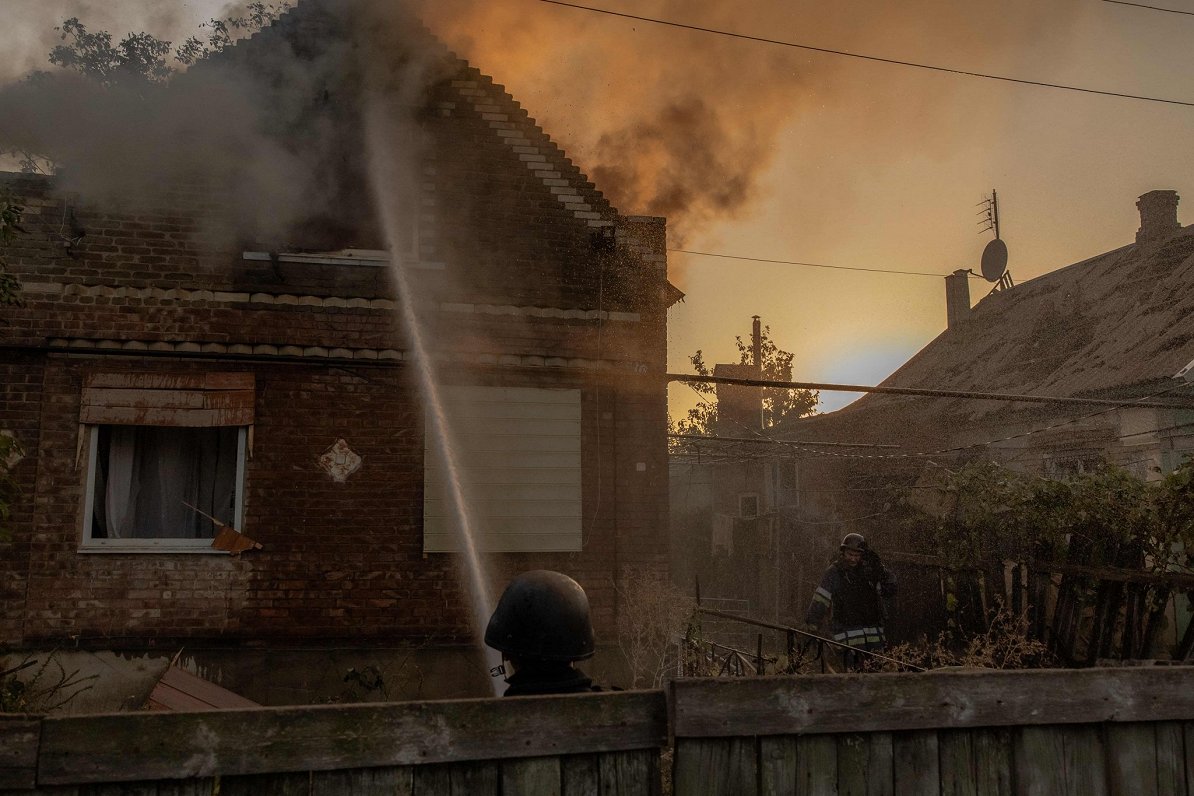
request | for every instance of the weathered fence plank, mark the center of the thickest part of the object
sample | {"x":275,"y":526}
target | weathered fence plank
{"x":956,"y":755}
{"x":816,"y":765}
{"x":1171,"y":753}
{"x":265,"y":785}
{"x":777,"y":765}
{"x":18,"y":751}
{"x":390,"y":781}
{"x":1060,"y":761}
{"x":580,"y":775}
{"x":1084,"y":762}
{"x":125,"y":789}
{"x":992,"y":749}
{"x":955,"y":699}
{"x":716,"y":767}
{"x":1039,"y":760}
{"x":1188,"y":735}
{"x":535,"y":776}
{"x":481,"y":779}
{"x":1132,"y":759}
{"x":864,"y":764}
{"x":133,"y":747}
{"x":853,"y":758}
{"x":917,"y":767}
{"x":432,"y":780}
{"x":629,"y":773}
{"x":189,"y":787}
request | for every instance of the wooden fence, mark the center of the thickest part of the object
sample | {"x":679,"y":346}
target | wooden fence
{"x":1087,"y":732}
{"x":1093,"y":731}
{"x":1083,"y":613}
{"x":602,"y":744}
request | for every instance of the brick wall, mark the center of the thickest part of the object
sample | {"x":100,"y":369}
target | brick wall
{"x":20,"y":414}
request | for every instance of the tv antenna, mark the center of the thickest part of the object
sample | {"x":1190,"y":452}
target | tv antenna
{"x":994,"y":259}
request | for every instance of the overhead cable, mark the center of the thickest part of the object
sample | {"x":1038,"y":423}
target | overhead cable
{"x":875,"y":58}
{"x":927,"y":393}
{"x":1150,"y":8}
{"x":814,"y":265}
{"x":1128,"y":404}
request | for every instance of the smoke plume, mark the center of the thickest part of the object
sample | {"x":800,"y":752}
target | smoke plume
{"x":685,"y":123}
{"x":666,"y":121}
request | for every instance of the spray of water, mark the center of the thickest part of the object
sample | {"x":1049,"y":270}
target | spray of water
{"x":386,"y":173}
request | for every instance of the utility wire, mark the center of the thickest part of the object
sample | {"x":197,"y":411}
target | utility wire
{"x":1008,"y":438}
{"x":1150,"y":8}
{"x":927,"y":393}
{"x":1141,"y":402}
{"x":848,"y":54}
{"x":814,"y":265}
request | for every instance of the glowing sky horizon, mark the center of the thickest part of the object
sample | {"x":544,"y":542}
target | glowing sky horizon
{"x":844,"y":162}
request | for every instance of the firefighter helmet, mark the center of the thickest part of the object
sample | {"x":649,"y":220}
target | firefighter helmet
{"x":853,"y":541}
{"x":542,"y":615}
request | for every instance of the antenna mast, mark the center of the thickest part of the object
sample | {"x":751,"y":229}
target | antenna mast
{"x":994,"y":260}
{"x":990,"y":214}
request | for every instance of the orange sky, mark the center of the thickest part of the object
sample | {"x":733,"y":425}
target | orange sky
{"x":778,"y":153}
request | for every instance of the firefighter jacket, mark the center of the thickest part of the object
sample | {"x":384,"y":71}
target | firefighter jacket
{"x":858,"y":596}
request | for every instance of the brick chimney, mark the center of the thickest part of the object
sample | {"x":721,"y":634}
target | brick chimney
{"x":1158,"y":216}
{"x":957,"y":297}
{"x":739,"y":408}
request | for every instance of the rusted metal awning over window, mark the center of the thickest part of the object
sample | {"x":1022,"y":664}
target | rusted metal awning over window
{"x":168,"y":399}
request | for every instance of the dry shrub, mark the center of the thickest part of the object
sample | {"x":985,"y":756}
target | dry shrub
{"x":652,"y":616}
{"x":1005,"y":645}
{"x":34,"y":686}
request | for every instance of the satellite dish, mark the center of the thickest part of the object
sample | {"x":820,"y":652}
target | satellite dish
{"x":994,"y":261}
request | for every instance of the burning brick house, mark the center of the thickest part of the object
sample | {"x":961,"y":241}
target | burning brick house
{"x":174,"y":358}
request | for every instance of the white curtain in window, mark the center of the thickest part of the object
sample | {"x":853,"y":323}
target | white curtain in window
{"x":151,"y":473}
{"x":120,"y":495}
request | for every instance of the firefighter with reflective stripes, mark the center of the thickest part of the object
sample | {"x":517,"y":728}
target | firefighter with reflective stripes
{"x":857,"y":592}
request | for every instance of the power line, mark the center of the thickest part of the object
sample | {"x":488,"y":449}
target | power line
{"x":814,"y":265}
{"x":1010,"y":437}
{"x":773,"y":441}
{"x":926,"y":393}
{"x":1150,"y":8}
{"x":875,"y":58}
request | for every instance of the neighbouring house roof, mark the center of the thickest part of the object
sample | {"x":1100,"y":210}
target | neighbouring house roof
{"x":1118,"y":325}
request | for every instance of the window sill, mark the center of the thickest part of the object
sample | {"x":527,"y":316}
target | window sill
{"x":161,"y":547}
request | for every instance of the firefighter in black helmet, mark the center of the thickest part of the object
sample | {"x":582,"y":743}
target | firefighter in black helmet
{"x":541,"y":626}
{"x":857,"y":593}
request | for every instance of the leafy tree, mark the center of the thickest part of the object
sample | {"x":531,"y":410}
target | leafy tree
{"x":779,"y":403}
{"x":138,"y":64}
{"x":989,"y":513}
{"x":143,"y":57}
{"x":10,"y":294}
{"x":138,"y":57}
{"x":10,"y":452}
{"x":10,"y":225}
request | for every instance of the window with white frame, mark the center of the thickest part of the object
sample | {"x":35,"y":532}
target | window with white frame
{"x":164,"y":451}
{"x":517,"y":452}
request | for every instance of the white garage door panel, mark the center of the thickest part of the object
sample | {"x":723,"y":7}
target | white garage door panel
{"x":507,"y":509}
{"x":516,"y":426}
{"x":505,"y":460}
{"x":513,"y":491}
{"x":519,"y":459}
